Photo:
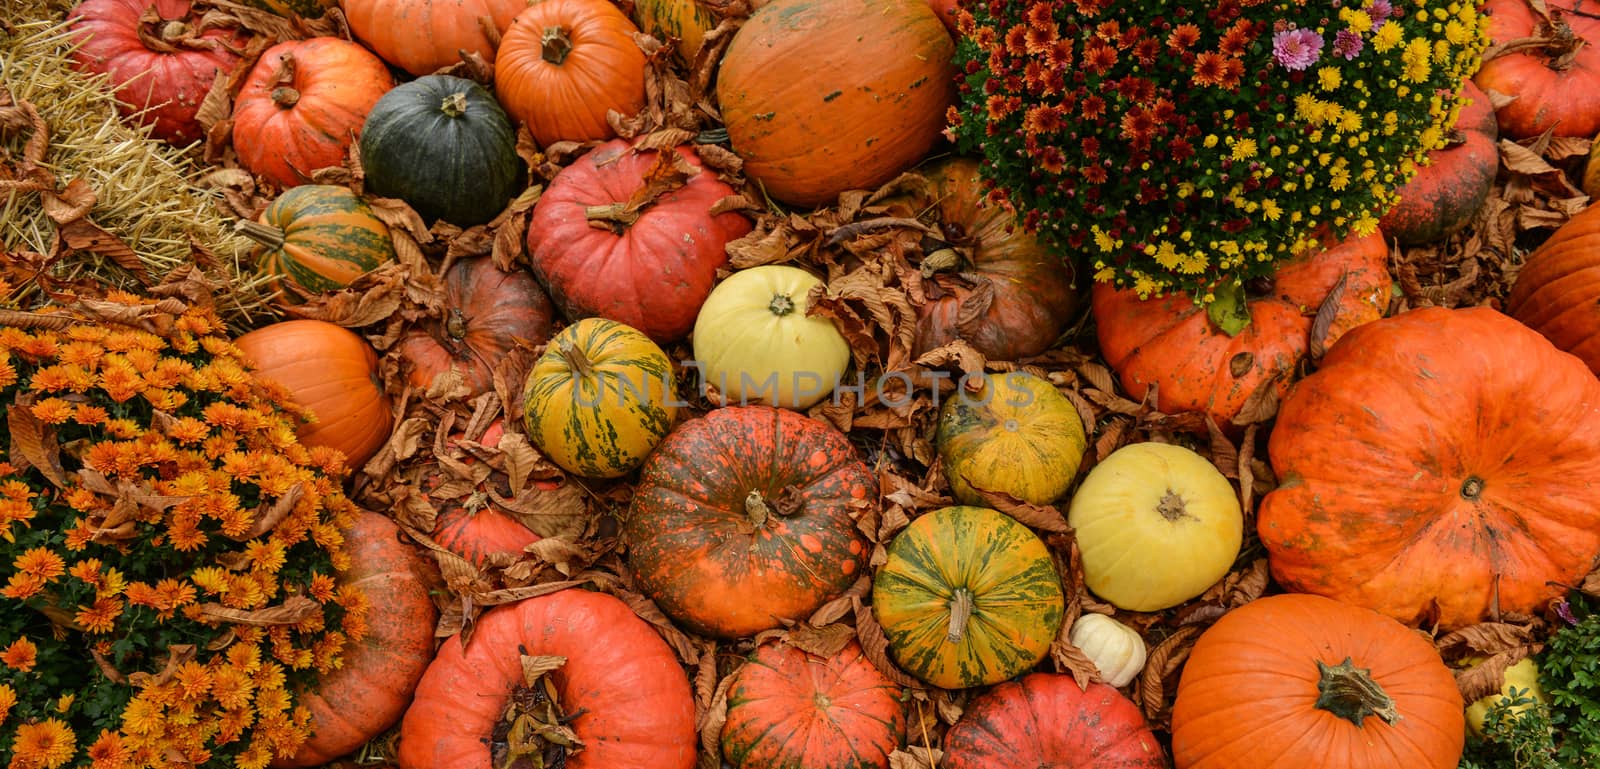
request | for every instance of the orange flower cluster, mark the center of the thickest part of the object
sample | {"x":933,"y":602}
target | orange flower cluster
{"x":168,"y":550}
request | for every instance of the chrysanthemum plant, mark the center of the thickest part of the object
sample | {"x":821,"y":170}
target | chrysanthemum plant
{"x":168,"y":548}
{"x":1191,"y":145}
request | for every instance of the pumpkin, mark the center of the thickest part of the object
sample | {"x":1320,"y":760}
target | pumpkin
{"x":332,"y":373}
{"x":159,"y":63}
{"x":756,"y":340}
{"x":628,"y":234}
{"x":987,"y":280}
{"x":686,"y":20}
{"x":1521,"y":680}
{"x":1017,"y":435}
{"x":790,"y":708}
{"x":1557,"y":290}
{"x":1556,"y":85}
{"x":1339,"y":685}
{"x":619,"y":688}
{"x":421,"y":36}
{"x":302,"y":106}
{"x":968,"y":597}
{"x":563,"y":64}
{"x":823,"y":96}
{"x":1449,"y":190}
{"x":1439,"y":465}
{"x":599,"y":399}
{"x":1156,"y":525}
{"x":443,"y":145}
{"x":366,"y":696}
{"x":487,"y":313}
{"x":1044,"y":719}
{"x":475,"y":528}
{"x":947,"y":10}
{"x":745,"y":518}
{"x":315,"y":238}
{"x":1172,"y":343}
{"x":1116,"y":650}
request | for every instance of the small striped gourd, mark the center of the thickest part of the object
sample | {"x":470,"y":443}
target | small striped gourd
{"x":317,"y":237}
{"x":599,"y":399}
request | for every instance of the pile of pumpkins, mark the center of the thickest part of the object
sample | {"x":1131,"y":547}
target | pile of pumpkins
{"x":1434,"y":469}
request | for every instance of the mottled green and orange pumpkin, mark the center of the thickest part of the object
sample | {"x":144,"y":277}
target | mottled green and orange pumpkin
{"x":746,"y":517}
{"x":1446,"y":193}
{"x":969,"y":597}
{"x":1016,"y":434}
{"x":790,"y":708}
{"x":686,"y":20}
{"x":316,"y":238}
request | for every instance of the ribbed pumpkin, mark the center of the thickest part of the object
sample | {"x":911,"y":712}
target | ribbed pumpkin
{"x":316,"y":238}
{"x":968,"y":597}
{"x":369,"y":694}
{"x":611,"y":238}
{"x":992,"y":283}
{"x":1171,"y":342}
{"x":1557,"y":291}
{"x":563,"y":64}
{"x":421,"y":36}
{"x":333,"y":373}
{"x":476,"y":528}
{"x":1446,"y":193}
{"x":823,"y":96}
{"x":1045,"y":720}
{"x":789,"y":708}
{"x":443,"y":145}
{"x":488,"y":312}
{"x":1440,"y":464}
{"x":619,"y":686}
{"x":756,"y":342}
{"x":1557,"y":84}
{"x":746,"y":517}
{"x":162,"y":69}
{"x":599,"y":399}
{"x":1293,"y":681}
{"x":303,"y":106}
{"x":1017,"y":435}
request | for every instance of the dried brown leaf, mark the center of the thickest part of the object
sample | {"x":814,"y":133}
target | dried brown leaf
{"x":1042,"y":517}
{"x":875,"y":645}
{"x":825,"y":641}
{"x":535,"y":666}
{"x":556,"y":513}
{"x":1070,"y":659}
{"x":293,"y":610}
{"x":275,"y":514}
{"x":34,"y":442}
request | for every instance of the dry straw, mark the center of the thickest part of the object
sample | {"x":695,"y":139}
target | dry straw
{"x":146,"y":192}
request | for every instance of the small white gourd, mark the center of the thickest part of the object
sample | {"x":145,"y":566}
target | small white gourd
{"x":1116,"y":649}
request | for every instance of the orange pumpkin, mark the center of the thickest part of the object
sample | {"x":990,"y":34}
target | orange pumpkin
{"x":791,"y":708}
{"x":421,"y":36}
{"x":331,"y":372}
{"x":1439,"y":465}
{"x":1445,"y":194}
{"x":1557,"y":292}
{"x":564,"y":63}
{"x":476,"y":528}
{"x":488,"y":312}
{"x":1293,"y":681}
{"x":1557,"y":85}
{"x":1046,"y":720}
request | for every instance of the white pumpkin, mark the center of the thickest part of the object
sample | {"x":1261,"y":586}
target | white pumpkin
{"x":755,"y":344}
{"x":1115,"y":649}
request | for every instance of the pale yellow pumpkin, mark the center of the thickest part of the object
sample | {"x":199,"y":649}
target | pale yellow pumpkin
{"x":1017,"y":434}
{"x":1522,"y":676}
{"x":756,"y":345}
{"x":1156,"y":524}
{"x":1116,"y":650}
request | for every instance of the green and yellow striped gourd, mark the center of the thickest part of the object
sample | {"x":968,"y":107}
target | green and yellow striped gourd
{"x":317,"y":237}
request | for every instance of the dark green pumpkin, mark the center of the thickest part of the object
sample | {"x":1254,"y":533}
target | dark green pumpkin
{"x":445,"y":146}
{"x":317,"y":237}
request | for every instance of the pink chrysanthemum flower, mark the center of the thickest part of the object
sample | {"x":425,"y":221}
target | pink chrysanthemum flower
{"x":1347,"y":44}
{"x":1296,"y":49}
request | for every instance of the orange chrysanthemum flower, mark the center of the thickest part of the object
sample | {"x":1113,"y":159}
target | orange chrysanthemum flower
{"x":44,"y":745}
{"x":22,"y":655}
{"x":108,"y":752}
{"x":101,"y":617}
{"x":41,"y":563}
{"x":8,"y":700}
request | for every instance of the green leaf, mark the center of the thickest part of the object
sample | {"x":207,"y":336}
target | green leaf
{"x":1229,"y":311}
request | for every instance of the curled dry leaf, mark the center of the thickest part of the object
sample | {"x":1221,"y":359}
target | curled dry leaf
{"x":824,"y":641}
{"x":916,"y":757}
{"x":1042,"y":517}
{"x":293,"y":610}
{"x":1163,"y":661}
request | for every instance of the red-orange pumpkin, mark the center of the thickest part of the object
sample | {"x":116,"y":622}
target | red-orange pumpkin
{"x":1171,"y":342}
{"x":621,"y":688}
{"x":303,"y":105}
{"x":1294,"y":681}
{"x":476,"y":528}
{"x":487,"y":313}
{"x":421,"y":36}
{"x":1557,"y":292}
{"x":369,"y":694}
{"x":564,"y":64}
{"x":1440,"y":464}
{"x":1445,"y":194}
{"x":331,"y":372}
{"x":790,"y":708}
{"x":1557,"y":86}
{"x":1045,"y":720}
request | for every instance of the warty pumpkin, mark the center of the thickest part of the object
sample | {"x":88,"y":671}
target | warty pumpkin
{"x":1045,"y":720}
{"x":1440,"y":465}
{"x":487,"y":312}
{"x":422,"y":36}
{"x":1291,"y":681}
{"x":968,"y":597}
{"x":746,"y":517}
{"x":1017,"y":435}
{"x":756,"y":341}
{"x":1557,"y":85}
{"x":1449,"y":190}
{"x":563,"y":64}
{"x":315,"y":238}
{"x":790,"y":708}
{"x":1557,"y":290}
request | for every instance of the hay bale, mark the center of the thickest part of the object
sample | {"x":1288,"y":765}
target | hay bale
{"x":145,"y":192}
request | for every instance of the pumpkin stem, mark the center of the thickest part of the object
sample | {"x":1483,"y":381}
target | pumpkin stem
{"x":1472,"y":488}
{"x":781,"y":305}
{"x":575,"y":358}
{"x":960,"y":614}
{"x":1350,"y":693}
{"x":285,"y":97}
{"x":454,"y":105}
{"x":937,"y":261}
{"x":1171,"y":507}
{"x":265,"y":234}
{"x":616,"y":217}
{"x":554,"y":45}
{"x":455,"y":324}
{"x":757,"y":508}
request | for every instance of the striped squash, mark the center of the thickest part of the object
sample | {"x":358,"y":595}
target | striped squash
{"x":599,"y":399}
{"x":1017,"y":435}
{"x":968,"y":597}
{"x":317,"y":237}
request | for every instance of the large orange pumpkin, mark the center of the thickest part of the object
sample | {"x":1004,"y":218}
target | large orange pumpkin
{"x":1046,"y":720}
{"x":422,"y":36}
{"x":564,"y":64}
{"x":1293,"y":681}
{"x":1441,"y":463}
{"x":369,"y":694}
{"x":823,"y":96}
{"x":1556,"y":86}
{"x":1557,"y":292}
{"x":333,"y":373}
{"x":1446,"y":193}
{"x":1171,"y":342}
